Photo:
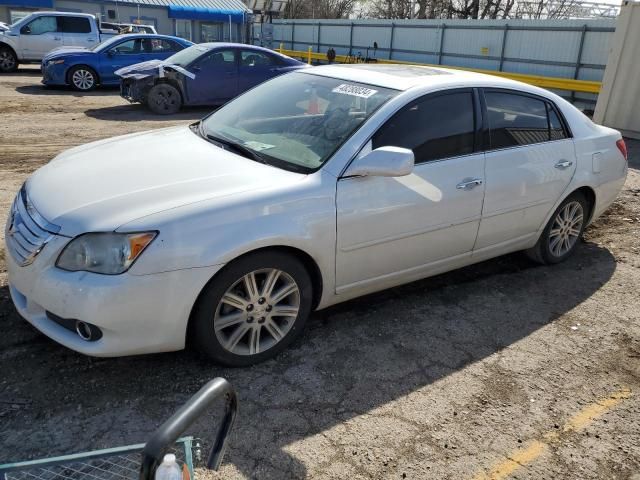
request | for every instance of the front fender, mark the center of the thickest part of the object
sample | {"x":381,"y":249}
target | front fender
{"x":216,"y":232}
{"x":8,"y":42}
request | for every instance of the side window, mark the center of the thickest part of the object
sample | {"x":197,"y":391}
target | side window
{"x":130,"y":47}
{"x":556,"y":130}
{"x":516,"y":120}
{"x":75,"y":24}
{"x":41,"y":25}
{"x":163,"y":46}
{"x":434,"y":128}
{"x":252,"y":58}
{"x":219,"y":58}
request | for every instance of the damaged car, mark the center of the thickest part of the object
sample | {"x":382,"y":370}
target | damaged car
{"x":85,"y":68}
{"x":204,"y":74}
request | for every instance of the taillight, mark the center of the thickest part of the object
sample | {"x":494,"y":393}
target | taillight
{"x":622,"y":147}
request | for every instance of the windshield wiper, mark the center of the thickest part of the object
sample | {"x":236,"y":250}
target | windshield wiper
{"x":238,"y":147}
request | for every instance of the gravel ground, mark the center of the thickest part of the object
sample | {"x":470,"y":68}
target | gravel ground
{"x":504,"y":369}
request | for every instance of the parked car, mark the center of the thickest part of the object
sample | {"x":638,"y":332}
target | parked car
{"x":204,"y":74}
{"x":31,"y":38}
{"x":314,"y":188}
{"x":128,"y":27}
{"x":84,"y":69}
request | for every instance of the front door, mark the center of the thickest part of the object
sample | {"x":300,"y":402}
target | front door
{"x":39,"y":37}
{"x":530,"y":162}
{"x":123,"y":54}
{"x":216,"y":78}
{"x":400,"y":228}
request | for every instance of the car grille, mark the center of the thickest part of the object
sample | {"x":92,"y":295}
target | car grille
{"x":27,"y":231}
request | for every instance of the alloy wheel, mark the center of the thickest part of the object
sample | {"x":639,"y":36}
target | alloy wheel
{"x":83,"y":79}
{"x":7,"y":61}
{"x":257,"y":311}
{"x":566,"y":229}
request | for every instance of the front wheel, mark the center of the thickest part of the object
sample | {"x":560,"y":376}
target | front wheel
{"x":561,"y":236}
{"x":8,"y":60}
{"x":253,"y":309}
{"x":83,"y":79}
{"x":164,"y":99}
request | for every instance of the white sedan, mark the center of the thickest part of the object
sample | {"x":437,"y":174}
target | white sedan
{"x":313,"y":188}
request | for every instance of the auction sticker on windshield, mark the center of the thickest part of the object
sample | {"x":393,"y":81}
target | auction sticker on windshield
{"x":354,"y":90}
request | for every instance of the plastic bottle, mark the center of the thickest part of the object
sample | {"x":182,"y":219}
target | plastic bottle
{"x":168,"y":469}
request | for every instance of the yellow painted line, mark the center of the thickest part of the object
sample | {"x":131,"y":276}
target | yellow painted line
{"x":557,"y":83}
{"x":524,"y":456}
{"x":588,"y":414}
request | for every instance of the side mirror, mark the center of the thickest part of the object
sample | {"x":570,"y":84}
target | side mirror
{"x":26,"y":30}
{"x":383,"y":162}
{"x":111,"y":53}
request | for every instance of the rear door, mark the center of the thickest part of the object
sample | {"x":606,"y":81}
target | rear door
{"x":216,"y":78}
{"x":76,"y":32}
{"x":256,"y":67}
{"x":40,"y":36}
{"x":529,"y":163}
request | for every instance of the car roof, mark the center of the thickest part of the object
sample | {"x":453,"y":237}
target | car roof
{"x":158,"y":36}
{"x":405,"y":77}
{"x":63,"y":14}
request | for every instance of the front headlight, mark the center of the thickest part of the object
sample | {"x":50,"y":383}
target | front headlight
{"x":55,"y":62}
{"x":106,"y":253}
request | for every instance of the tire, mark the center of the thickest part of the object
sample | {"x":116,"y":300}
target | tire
{"x":252,"y":320}
{"x":563,"y":232}
{"x":164,"y":99}
{"x":8,"y":60}
{"x":82,"y":78}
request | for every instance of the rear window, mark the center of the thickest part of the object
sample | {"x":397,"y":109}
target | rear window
{"x":521,"y":120}
{"x":75,"y":24}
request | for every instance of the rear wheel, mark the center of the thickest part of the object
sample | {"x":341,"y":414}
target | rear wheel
{"x":164,"y":99}
{"x":83,"y":78}
{"x":8,"y":60}
{"x":561,"y":236}
{"x":253,"y":309}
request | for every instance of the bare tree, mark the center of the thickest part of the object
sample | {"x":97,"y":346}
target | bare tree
{"x":319,"y":8}
{"x":472,"y":9}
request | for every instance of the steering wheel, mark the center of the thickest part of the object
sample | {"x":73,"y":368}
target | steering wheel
{"x":336,"y":123}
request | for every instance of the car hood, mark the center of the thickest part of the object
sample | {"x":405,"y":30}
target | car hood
{"x":151,"y":68}
{"x":67,"y":52}
{"x":103,"y":185}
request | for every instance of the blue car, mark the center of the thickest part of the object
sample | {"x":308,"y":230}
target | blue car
{"x":85,"y":68}
{"x":204,"y":74}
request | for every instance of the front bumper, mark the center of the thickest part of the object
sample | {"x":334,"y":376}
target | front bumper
{"x":134,"y":90}
{"x":54,"y":74}
{"x":136,"y":313}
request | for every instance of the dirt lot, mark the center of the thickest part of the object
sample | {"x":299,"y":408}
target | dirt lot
{"x":501,"y":370}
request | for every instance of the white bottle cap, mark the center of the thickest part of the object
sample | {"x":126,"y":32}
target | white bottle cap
{"x":169,"y":458}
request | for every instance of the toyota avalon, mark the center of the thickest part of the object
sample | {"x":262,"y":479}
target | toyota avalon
{"x":311,"y":189}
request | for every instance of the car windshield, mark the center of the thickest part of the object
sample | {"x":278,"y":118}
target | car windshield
{"x":296,"y":121}
{"x":107,"y":44}
{"x":188,"y":55}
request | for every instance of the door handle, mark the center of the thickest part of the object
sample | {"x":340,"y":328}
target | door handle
{"x":562,"y":164}
{"x":57,"y":38}
{"x":469,"y":184}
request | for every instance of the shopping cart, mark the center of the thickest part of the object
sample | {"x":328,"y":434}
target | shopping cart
{"x":141,"y":461}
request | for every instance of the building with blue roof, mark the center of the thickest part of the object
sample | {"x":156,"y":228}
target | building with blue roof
{"x":195,"y":20}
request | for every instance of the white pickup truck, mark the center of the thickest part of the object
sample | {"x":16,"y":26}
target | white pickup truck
{"x":31,"y":38}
